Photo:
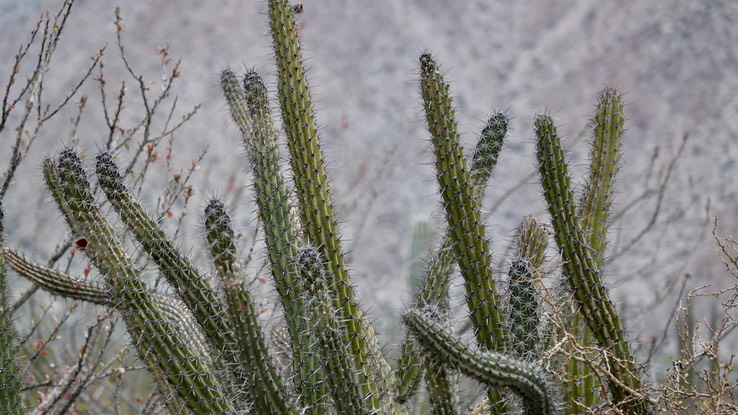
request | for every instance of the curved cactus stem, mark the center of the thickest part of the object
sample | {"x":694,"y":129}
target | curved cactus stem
{"x":315,"y":202}
{"x":57,"y":282}
{"x":490,"y":368}
{"x":191,"y":374}
{"x":269,"y":388}
{"x":11,"y":401}
{"x":68,"y":286}
{"x":582,"y":273}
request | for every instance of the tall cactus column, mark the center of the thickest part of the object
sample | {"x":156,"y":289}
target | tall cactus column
{"x":250,"y":111}
{"x":315,"y":202}
{"x":435,"y":285}
{"x":463,"y":212}
{"x":582,"y":272}
{"x":463,"y":215}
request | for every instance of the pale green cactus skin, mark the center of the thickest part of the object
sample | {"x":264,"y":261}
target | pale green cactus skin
{"x":206,"y":349}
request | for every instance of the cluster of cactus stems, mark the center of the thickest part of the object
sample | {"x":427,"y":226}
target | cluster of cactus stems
{"x":206,"y":349}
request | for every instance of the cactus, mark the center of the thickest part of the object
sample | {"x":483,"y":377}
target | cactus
{"x":206,"y":349}
{"x":490,"y":367}
{"x":10,"y":396}
{"x":582,"y":271}
{"x":525,"y":280}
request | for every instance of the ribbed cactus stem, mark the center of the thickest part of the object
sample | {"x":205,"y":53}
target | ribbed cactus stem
{"x":434,"y":289}
{"x":582,"y":273}
{"x":462,"y":210}
{"x":488,"y":149}
{"x":525,"y":272}
{"x":57,"y":282}
{"x":269,"y":391}
{"x":441,"y":384}
{"x":594,"y":209}
{"x":410,"y":365}
{"x":68,"y":286}
{"x":250,"y":111}
{"x":345,"y":387}
{"x":594,"y":212}
{"x":191,"y":374}
{"x":11,"y":401}
{"x":311,"y":185}
{"x":491,"y":368}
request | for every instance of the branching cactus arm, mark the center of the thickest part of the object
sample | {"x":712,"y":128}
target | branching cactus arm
{"x":69,"y":286}
{"x":191,"y":374}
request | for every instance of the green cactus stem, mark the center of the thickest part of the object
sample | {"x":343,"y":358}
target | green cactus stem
{"x":68,"y":286}
{"x":462,"y":210}
{"x":192,"y":375}
{"x":206,"y":305}
{"x":345,"y":386}
{"x":269,"y":388}
{"x":11,"y":402}
{"x":315,"y":202}
{"x":594,"y":212}
{"x":488,"y":150}
{"x":463,"y":214}
{"x":434,"y":287}
{"x":250,"y":111}
{"x":582,"y":273}
{"x":594,"y":208}
{"x":57,"y":282}
{"x":525,"y":272}
{"x":490,"y":368}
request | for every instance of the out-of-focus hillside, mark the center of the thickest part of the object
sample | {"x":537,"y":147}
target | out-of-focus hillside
{"x":677,"y":62}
